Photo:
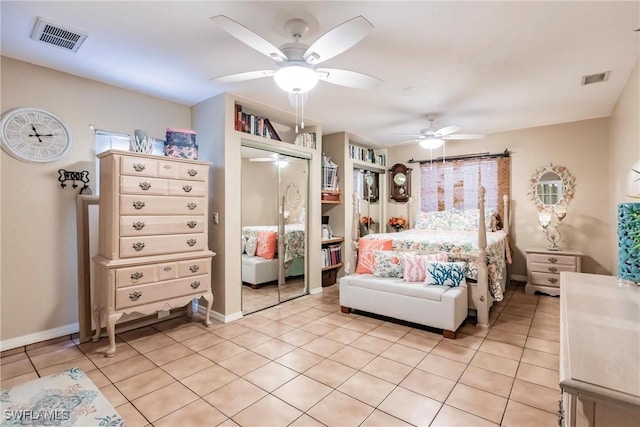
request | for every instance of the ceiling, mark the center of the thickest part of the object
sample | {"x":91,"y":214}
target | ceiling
{"x":486,"y":66}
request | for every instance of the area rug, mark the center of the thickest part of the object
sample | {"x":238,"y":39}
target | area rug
{"x":68,"y":398}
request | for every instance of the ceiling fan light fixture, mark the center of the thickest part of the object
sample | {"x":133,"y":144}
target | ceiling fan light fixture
{"x":296,"y":78}
{"x":431,"y":143}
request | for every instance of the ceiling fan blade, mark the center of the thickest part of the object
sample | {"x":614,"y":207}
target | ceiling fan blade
{"x":463,"y":136}
{"x":446,"y":130}
{"x":348,"y":78}
{"x":241,"y":77}
{"x":337,"y":40}
{"x":248,"y":37}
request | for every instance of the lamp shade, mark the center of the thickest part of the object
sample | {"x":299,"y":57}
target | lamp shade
{"x":296,"y":78}
{"x":431,"y":143}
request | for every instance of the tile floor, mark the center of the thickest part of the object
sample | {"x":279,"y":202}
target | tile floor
{"x":304,"y":363}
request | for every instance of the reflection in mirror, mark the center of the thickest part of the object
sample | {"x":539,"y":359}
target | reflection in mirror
{"x":274,"y":197}
{"x":551,"y":186}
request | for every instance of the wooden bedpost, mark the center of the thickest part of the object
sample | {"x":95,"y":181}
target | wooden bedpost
{"x":482,"y":298}
{"x":505,"y":227}
{"x":410,"y":212}
{"x":355,"y":231}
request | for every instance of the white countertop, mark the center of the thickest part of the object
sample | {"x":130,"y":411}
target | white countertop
{"x":600,"y":337}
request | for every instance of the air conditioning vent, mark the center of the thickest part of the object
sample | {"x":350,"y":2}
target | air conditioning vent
{"x":47,"y":32}
{"x":595,"y":78}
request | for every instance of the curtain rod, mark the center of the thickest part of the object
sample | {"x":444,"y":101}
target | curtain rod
{"x":506,"y":153}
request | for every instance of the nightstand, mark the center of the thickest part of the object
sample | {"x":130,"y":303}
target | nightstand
{"x":544,"y":267}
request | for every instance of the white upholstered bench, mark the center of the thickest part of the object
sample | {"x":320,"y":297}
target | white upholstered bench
{"x":257,"y":270}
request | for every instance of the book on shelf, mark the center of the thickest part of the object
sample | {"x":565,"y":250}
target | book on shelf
{"x":368,"y":155}
{"x":307,"y":140}
{"x":331,"y":255}
{"x":254,"y":124}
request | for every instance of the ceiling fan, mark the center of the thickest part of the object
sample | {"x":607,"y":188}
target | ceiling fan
{"x":296,"y":62}
{"x":432,"y":138}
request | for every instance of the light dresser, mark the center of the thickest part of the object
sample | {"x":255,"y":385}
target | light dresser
{"x":153,"y":238}
{"x":599,"y":351}
{"x":544,"y":268}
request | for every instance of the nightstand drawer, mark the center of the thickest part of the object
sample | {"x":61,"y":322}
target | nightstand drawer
{"x":553,"y":259}
{"x":159,"y":245}
{"x":545,"y":279}
{"x":551,"y":268}
{"x":145,"y":294}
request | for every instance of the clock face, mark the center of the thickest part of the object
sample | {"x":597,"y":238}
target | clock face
{"x":34,"y":135}
{"x":400,"y":178}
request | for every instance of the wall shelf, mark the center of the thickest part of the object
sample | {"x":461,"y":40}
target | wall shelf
{"x":331,"y":267}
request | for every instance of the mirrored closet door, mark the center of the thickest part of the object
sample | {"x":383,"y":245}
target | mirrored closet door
{"x":274,"y":200}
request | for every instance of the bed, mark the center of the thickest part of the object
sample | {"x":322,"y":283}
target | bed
{"x":486,"y":254}
{"x":293,"y":245}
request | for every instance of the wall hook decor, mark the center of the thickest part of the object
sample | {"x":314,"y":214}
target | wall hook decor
{"x":65,"y":175}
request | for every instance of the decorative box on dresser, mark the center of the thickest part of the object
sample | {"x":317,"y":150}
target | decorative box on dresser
{"x":599,"y":351}
{"x":153,"y":237}
{"x":544,"y":267}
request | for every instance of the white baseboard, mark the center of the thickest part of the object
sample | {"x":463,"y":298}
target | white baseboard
{"x":39,"y":336}
{"x":518,"y":278}
{"x":218,"y":316}
{"x":315,"y":291}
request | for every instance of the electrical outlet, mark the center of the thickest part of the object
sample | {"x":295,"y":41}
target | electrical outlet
{"x":215,"y":217}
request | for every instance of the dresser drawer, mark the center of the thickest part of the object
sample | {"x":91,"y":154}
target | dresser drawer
{"x":551,"y":268}
{"x":136,"y":275}
{"x":545,"y":279}
{"x":143,"y":185}
{"x":167,"y":270}
{"x":186,"y":188}
{"x":161,"y":205}
{"x":194,"y":267}
{"x":553,"y":259}
{"x":150,"y":225}
{"x":192,"y":172}
{"x":145,"y":294}
{"x":138,"y":166}
{"x":159,"y":245}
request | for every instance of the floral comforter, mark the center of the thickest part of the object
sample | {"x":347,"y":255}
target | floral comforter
{"x":293,"y":238}
{"x":457,"y":244}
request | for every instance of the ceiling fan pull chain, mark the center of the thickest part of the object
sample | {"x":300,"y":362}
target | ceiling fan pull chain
{"x":301,"y":112}
{"x":295,"y":95}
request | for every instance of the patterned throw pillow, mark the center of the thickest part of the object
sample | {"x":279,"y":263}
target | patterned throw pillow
{"x":366,"y":247}
{"x":266,"y":244}
{"x":388,"y":264}
{"x":252,"y":244}
{"x":415,"y":269}
{"x":444,"y":274}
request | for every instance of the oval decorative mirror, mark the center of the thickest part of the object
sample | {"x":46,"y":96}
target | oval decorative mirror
{"x":551,"y":185}
{"x":292,"y":197}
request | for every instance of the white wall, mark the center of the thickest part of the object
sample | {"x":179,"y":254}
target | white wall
{"x":38,"y":222}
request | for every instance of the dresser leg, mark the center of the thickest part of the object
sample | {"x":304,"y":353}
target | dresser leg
{"x":209,"y":298}
{"x":111,"y":332}
{"x":97,"y":314}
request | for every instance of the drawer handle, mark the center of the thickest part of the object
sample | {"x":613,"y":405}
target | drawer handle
{"x":192,"y":223}
{"x":553,"y":260}
{"x":135,"y":296}
{"x":192,"y":172}
{"x":139,"y":167}
{"x":137,"y":276}
{"x":192,"y":205}
{"x":553,"y":269}
{"x":553,"y":280}
{"x":138,"y":205}
{"x":194,"y":268}
{"x":191,"y":242}
{"x":138,"y":225}
{"x":195,"y":284}
{"x":167,"y":166}
{"x":187,"y":188}
{"x":167,"y":269}
{"x":145,"y":186}
{"x":138,"y":246}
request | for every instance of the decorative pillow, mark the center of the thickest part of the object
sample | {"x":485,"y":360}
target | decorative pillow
{"x":266,"y":244}
{"x":415,"y":269}
{"x":444,"y":274}
{"x":366,"y":247}
{"x":252,"y":243}
{"x":435,"y":220}
{"x":243,"y":244}
{"x":388,"y":264}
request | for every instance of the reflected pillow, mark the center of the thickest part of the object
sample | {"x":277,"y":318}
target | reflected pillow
{"x":444,"y":274}
{"x":252,"y":243}
{"x":366,"y":248}
{"x":266,"y":244}
{"x":388,"y":264}
{"x":415,"y":269}
{"x":243,"y":244}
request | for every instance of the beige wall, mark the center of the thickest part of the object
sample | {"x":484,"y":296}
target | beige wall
{"x":580,"y":146}
{"x":38,"y":223}
{"x":624,"y":152}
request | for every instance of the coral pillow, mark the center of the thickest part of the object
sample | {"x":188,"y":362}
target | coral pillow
{"x":366,"y":247}
{"x":250,"y":248}
{"x":266,"y":244}
{"x":444,"y":273}
{"x":415,"y":269}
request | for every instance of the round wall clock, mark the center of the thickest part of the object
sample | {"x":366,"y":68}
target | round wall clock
{"x":34,"y":135}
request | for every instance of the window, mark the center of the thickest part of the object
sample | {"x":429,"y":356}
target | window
{"x":106,"y":140}
{"x":454,"y":184}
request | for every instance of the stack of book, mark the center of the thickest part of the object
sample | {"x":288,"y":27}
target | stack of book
{"x":307,"y":140}
{"x":331,"y":255}
{"x":254,"y":124}
{"x":367,"y":155}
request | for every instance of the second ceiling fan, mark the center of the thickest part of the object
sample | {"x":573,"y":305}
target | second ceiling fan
{"x":432,"y":138}
{"x":296,"y":62}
